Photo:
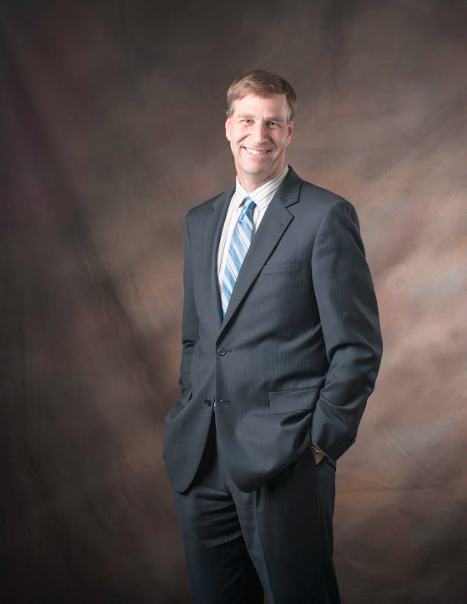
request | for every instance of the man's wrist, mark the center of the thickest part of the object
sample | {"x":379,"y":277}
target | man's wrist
{"x":316,"y":449}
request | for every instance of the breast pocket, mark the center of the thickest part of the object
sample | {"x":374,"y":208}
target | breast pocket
{"x":272,"y":268}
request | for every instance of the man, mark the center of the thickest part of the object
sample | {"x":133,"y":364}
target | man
{"x":281,"y":348}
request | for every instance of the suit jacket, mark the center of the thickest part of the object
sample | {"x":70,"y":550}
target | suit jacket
{"x":296,"y":356}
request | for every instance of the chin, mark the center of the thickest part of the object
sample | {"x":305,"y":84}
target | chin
{"x":258,"y":166}
{"x":256,"y":171}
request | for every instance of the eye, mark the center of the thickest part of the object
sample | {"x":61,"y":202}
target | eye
{"x":273,"y":124}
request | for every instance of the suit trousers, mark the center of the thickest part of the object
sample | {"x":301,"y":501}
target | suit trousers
{"x":277,"y":539}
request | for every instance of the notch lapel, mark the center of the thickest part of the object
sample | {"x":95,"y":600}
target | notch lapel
{"x":211,"y":238}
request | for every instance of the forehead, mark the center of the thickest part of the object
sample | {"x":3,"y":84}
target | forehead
{"x":275,"y":105}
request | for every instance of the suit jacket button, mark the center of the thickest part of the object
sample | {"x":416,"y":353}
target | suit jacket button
{"x":221,"y":351}
{"x":207,"y":402}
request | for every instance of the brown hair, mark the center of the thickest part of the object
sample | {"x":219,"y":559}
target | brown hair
{"x":261,"y":83}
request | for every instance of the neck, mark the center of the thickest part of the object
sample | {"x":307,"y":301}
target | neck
{"x":250,"y":184}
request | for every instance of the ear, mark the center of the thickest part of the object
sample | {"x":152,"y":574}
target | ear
{"x":227,"y":128}
{"x":290,"y":129}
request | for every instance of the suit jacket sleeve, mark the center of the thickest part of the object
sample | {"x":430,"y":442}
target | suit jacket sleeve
{"x":349,"y":320}
{"x":190,"y":323}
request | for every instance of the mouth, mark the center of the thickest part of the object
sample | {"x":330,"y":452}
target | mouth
{"x":256,"y":152}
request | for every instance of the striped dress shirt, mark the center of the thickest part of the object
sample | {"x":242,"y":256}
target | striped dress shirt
{"x":262,"y":197}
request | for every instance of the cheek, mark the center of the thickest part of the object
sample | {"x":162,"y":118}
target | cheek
{"x":237,"y":139}
{"x":228,"y":131}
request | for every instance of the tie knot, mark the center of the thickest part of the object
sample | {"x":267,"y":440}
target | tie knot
{"x":248,"y":205}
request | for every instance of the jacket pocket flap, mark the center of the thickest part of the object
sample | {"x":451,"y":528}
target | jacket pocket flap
{"x":294,"y":400}
{"x":270,"y":268}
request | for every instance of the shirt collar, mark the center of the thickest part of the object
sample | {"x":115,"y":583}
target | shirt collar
{"x":264,"y":193}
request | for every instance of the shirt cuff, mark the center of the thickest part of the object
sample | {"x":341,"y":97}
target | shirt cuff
{"x":316,"y":449}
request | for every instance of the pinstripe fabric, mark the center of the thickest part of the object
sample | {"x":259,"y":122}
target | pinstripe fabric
{"x":262,"y":196}
{"x":292,"y":362}
{"x":295,"y":357}
{"x":239,"y":245}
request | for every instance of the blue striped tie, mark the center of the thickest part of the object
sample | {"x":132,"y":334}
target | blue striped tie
{"x":239,"y":245}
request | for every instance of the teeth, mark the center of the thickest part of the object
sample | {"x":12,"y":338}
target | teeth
{"x":255,"y":152}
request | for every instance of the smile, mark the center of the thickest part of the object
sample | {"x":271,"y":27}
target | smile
{"x":255,"y":151}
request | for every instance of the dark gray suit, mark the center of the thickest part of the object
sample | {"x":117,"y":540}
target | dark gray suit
{"x":296,"y":356}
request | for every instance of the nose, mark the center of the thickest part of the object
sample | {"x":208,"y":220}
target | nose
{"x":259,"y":134}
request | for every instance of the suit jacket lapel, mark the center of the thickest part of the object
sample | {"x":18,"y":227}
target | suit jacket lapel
{"x":211,"y":238}
{"x":272,"y":227}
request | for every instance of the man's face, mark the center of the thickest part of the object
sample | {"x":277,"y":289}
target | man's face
{"x":259,"y":135}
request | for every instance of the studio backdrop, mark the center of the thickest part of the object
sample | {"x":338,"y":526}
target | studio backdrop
{"x":112,"y":126}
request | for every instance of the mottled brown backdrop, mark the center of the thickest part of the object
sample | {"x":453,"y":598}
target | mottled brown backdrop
{"x":111,"y":117}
